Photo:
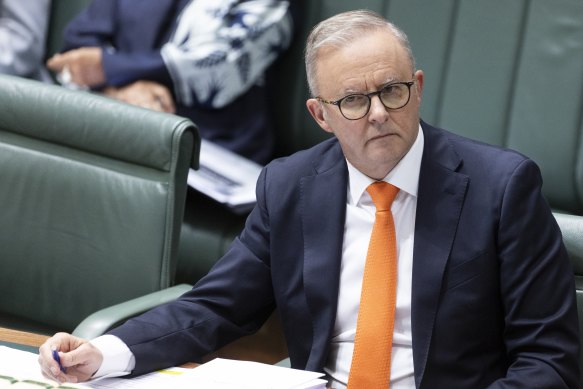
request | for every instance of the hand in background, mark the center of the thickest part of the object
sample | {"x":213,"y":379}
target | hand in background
{"x":145,"y":94}
{"x":83,"y":65}
{"x":79,"y":358}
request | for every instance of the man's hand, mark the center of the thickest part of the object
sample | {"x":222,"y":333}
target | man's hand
{"x":84,"y":66}
{"x":79,"y":358}
{"x":145,"y":94}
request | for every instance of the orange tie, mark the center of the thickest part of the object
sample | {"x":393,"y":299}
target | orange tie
{"x":371,"y":360}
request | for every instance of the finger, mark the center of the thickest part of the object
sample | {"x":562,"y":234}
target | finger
{"x":57,"y":62}
{"x":76,"y":74}
{"x":45,"y":369}
{"x":163,"y":98}
{"x":61,"y":377}
{"x":85,"y":358}
{"x":166,"y":102}
{"x":72,"y":378}
{"x":50,"y":369}
{"x":73,"y":358}
{"x":112,"y":92}
{"x":46,"y":360}
{"x":150,"y":104}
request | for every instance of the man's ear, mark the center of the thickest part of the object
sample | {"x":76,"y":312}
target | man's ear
{"x":317,"y":111}
{"x":419,"y":77}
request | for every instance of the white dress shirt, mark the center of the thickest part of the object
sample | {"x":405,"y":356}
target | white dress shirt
{"x":360,"y":217}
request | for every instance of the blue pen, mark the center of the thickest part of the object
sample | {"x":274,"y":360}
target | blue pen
{"x":58,"y":359}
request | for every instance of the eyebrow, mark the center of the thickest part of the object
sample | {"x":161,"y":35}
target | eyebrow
{"x":389,"y":81}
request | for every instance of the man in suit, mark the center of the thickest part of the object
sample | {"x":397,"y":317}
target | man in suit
{"x":484,"y":290}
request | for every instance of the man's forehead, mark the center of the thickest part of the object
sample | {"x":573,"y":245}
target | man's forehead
{"x":373,"y":46}
{"x":364,"y":63}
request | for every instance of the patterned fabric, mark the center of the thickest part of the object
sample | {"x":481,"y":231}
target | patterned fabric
{"x":211,"y":36}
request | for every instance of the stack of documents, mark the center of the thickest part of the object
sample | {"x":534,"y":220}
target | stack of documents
{"x":19,"y":369}
{"x":229,"y":374}
{"x":226,"y":177}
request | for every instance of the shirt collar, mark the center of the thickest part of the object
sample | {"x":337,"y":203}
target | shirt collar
{"x":405,"y":175}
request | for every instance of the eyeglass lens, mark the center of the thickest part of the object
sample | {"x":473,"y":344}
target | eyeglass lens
{"x":392,"y":96}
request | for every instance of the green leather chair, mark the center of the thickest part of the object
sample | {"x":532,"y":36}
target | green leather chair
{"x":572,"y":228}
{"x":92,"y":195}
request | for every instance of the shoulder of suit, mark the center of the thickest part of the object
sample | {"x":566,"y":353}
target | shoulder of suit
{"x":307,"y":158}
{"x":472,"y":149}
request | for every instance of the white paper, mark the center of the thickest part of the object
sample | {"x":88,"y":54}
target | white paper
{"x":230,"y":374}
{"x":226,"y":177}
{"x":24,"y":365}
{"x":216,"y":374}
{"x":166,"y":378}
{"x":19,"y":364}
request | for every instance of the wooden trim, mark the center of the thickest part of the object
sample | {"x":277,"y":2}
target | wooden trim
{"x":21,"y":337}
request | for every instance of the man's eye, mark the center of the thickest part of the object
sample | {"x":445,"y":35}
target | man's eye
{"x":390,"y":90}
{"x":353,"y":100}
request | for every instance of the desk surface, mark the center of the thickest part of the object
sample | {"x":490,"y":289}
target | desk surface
{"x":21,"y":337}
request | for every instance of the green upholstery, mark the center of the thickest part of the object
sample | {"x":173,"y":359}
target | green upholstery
{"x":207,"y":231}
{"x":572,"y":228}
{"x":514,"y":79}
{"x":92,"y":195}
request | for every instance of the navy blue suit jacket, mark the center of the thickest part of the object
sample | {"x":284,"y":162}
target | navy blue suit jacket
{"x":493,"y":301}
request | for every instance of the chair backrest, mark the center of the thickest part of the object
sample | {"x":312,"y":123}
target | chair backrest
{"x":92,"y":193}
{"x":509,"y":78}
{"x":572,"y":229}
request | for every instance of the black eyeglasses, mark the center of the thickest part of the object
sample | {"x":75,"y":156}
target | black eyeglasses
{"x":356,"y":106}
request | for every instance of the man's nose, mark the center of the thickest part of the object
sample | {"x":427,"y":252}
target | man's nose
{"x":378,"y":111}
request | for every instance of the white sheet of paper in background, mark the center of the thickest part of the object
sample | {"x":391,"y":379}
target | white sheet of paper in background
{"x":226,"y":177}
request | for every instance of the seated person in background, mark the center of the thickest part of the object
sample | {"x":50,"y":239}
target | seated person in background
{"x":465,"y":283}
{"x":23,"y":30}
{"x":202,"y":59}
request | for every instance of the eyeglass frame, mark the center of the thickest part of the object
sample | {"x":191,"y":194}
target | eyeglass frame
{"x":370,"y":95}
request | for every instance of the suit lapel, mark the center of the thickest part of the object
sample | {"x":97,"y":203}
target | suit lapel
{"x":440,"y":198}
{"x":323,"y":202}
